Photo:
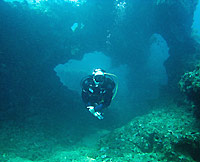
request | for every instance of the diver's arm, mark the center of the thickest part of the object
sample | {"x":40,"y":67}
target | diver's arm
{"x":109,"y":93}
{"x":85,"y":92}
{"x":99,"y":107}
{"x":105,"y":103}
{"x":107,"y":98}
{"x":85,"y":97}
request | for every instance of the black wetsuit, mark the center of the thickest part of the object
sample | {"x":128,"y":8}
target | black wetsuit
{"x":99,"y":96}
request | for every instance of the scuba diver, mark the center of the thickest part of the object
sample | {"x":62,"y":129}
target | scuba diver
{"x":97,"y":91}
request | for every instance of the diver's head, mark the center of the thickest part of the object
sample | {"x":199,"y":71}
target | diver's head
{"x":98,"y":76}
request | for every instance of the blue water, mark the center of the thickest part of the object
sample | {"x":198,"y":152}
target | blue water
{"x":47,"y":47}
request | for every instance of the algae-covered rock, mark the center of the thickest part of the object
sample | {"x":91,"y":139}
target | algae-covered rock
{"x":163,"y":135}
{"x":18,"y":159}
{"x":190,"y":86}
{"x":190,"y":82}
{"x":75,"y":154}
{"x":167,"y":133}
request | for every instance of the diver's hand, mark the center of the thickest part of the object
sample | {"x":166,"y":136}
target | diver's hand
{"x":91,"y":109}
{"x":98,"y":115}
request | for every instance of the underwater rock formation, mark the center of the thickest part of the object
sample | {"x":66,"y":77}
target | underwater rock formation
{"x":190,"y":86}
{"x":174,"y":23}
{"x":42,"y":43}
{"x":166,"y":134}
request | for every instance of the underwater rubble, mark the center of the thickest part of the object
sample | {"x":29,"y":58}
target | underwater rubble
{"x":168,"y":134}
